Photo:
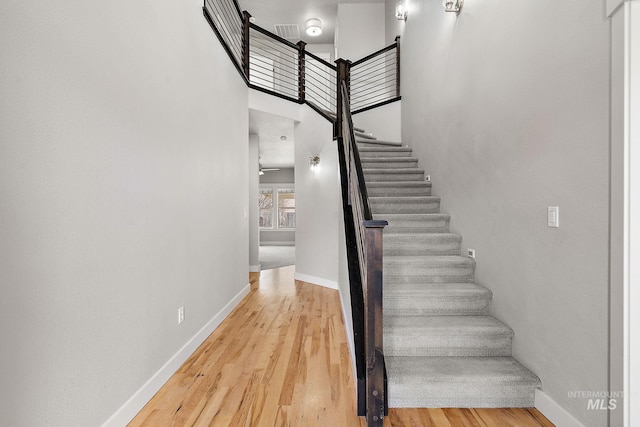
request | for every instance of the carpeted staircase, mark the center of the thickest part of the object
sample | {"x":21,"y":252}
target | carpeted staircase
{"x":442,"y":348}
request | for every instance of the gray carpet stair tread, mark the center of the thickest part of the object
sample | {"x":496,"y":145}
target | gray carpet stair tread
{"x":394,"y":151}
{"x":446,"y":336}
{"x":365,"y":136}
{"x":432,"y":299}
{"x":428,"y":290}
{"x":367,"y":141}
{"x":422,"y":244}
{"x":418,"y":326}
{"x":427,"y":269}
{"x":472,"y":382}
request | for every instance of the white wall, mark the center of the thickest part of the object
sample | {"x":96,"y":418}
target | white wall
{"x":360,"y":30}
{"x":384,"y":122}
{"x":318,"y":205}
{"x":509,"y":114}
{"x":116,"y":155}
{"x":254,"y":215}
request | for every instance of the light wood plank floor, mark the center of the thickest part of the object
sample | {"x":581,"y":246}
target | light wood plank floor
{"x":281,"y":359}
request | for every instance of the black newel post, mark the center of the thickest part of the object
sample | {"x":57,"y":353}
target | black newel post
{"x":301,"y":71}
{"x":245,"y":43}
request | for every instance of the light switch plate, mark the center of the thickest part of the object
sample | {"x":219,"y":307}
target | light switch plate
{"x":553,"y":216}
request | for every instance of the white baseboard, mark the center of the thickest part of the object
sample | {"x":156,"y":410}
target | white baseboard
{"x":316,"y":280}
{"x":254,"y":268}
{"x":554,"y":412}
{"x":278,"y":243}
{"x":140,"y":398}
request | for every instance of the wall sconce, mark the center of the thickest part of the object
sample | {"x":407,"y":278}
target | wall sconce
{"x":314,"y":27}
{"x":314,"y":162}
{"x":401,"y":11}
{"x":453,"y":5}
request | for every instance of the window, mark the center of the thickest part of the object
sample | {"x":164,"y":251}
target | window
{"x":279,"y":204}
{"x":286,"y":208}
{"x":265,"y":204}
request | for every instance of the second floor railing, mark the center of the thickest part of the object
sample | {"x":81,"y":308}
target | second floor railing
{"x":279,"y":67}
{"x":272,"y":64}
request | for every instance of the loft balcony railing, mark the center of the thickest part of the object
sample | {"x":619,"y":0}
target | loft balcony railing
{"x":271,"y":64}
{"x":274,"y":65}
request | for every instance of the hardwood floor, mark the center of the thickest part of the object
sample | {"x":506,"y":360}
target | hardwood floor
{"x":281,"y":359}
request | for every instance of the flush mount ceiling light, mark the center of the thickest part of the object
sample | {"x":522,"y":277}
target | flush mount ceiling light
{"x":453,"y":5}
{"x":401,"y":11}
{"x":314,"y":27}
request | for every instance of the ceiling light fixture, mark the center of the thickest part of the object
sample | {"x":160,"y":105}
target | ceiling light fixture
{"x":453,"y":5}
{"x":314,"y":27}
{"x":401,"y":11}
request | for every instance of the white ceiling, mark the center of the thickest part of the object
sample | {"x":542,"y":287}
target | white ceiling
{"x":271,"y":12}
{"x":274,"y":152}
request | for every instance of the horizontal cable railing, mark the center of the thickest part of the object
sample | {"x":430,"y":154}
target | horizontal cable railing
{"x":375,"y":79}
{"x":320,"y":82}
{"x":273,"y":63}
{"x":365,"y":240}
{"x":226,"y":20}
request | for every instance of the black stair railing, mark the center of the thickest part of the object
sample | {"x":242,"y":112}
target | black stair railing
{"x":274,"y":65}
{"x":364,"y":249}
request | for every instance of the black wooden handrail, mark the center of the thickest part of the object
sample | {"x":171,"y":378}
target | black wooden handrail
{"x":367,"y":234}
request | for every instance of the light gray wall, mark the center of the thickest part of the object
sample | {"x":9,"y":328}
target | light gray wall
{"x":360,"y":29}
{"x":122,"y":191}
{"x":283,"y":176}
{"x":317,"y":198}
{"x":254,"y":223}
{"x":508,"y":112}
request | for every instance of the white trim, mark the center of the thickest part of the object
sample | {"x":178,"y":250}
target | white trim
{"x":135,"y":403}
{"x":254,"y":268}
{"x":279,"y":242}
{"x":316,"y":280}
{"x":554,"y":412}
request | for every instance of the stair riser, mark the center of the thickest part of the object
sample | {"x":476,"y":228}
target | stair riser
{"x":398,"y":191}
{"x":398,"y":176}
{"x":418,"y":228}
{"x":471,"y":395}
{"x":394,"y":208}
{"x":422,"y":246}
{"x":389,"y":164}
{"x":429,"y":274}
{"x":381,"y":153}
{"x":372,"y":143}
{"x":416,"y":224}
{"x":434,"y":344}
{"x":396,"y":305}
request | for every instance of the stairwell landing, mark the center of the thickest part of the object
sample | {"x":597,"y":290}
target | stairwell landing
{"x":441,"y":346}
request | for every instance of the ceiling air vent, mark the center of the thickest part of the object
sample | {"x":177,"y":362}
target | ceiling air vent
{"x":288,"y":31}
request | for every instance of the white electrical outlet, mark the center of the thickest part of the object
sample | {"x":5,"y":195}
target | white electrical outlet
{"x":427,"y":178}
{"x":553,"y":216}
{"x":471,"y":253}
{"x":180,"y":315}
